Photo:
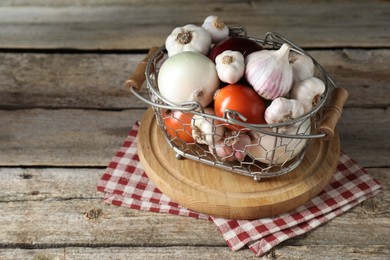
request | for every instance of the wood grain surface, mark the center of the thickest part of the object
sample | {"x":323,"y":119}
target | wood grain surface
{"x":124,"y":25}
{"x":64,"y":112}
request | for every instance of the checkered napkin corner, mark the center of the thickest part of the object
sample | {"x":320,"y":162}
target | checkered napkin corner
{"x":126,"y":184}
{"x":350,"y":186}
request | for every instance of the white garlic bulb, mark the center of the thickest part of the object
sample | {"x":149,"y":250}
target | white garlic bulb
{"x":269,"y":72}
{"x":303,"y":67}
{"x":283,"y":110}
{"x":274,"y":150}
{"x":230,"y":66}
{"x":216,"y":27}
{"x":207,"y":130}
{"x":308,"y":91}
{"x":188,"y":38}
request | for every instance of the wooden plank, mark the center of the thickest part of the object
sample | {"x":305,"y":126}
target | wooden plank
{"x":28,"y":184}
{"x":67,"y":81}
{"x":90,"y":137}
{"x":178,"y":252}
{"x":363,"y":135}
{"x":61,"y":222}
{"x":63,"y":137}
{"x":56,"y":222}
{"x":97,"y":81}
{"x":126,"y":25}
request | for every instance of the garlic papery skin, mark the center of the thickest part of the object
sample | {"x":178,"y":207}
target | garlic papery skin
{"x":206,"y":130}
{"x":302,"y":66}
{"x":274,"y":150}
{"x":188,"y":38}
{"x":230,"y":66}
{"x":282,"y":110}
{"x":269,"y":72}
{"x":309,"y":91}
{"x":216,"y":27}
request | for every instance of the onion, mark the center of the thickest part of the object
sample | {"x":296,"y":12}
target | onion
{"x":243,"y":45}
{"x":188,"y":76}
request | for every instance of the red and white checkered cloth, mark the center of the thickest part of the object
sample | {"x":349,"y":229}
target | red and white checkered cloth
{"x":125,"y":184}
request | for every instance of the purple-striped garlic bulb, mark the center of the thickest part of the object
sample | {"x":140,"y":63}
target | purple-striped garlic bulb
{"x":269,"y":72}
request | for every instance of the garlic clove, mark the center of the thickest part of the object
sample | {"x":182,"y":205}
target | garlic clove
{"x":216,"y":27}
{"x":240,"y":145}
{"x":230,"y":66}
{"x":223,"y":151}
{"x":207,"y":130}
{"x":269,"y":72}
{"x":188,"y":38}
{"x":302,"y":66}
{"x":283,"y":110}
{"x":231,"y":148}
{"x":309,"y":91}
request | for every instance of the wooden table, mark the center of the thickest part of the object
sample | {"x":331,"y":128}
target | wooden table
{"x":64,"y":112}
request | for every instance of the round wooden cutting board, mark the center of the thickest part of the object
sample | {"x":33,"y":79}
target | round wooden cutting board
{"x":210,"y":190}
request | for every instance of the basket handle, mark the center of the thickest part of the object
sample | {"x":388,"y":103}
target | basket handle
{"x":332,"y":112}
{"x":138,"y":77}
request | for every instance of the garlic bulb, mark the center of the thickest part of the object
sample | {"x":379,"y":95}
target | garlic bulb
{"x":223,"y":151}
{"x":188,"y":38}
{"x":308,"y":91}
{"x":207,"y":130}
{"x":239,"y":147}
{"x":230,"y":66}
{"x":302,"y":66}
{"x":216,"y":27}
{"x":283,"y":110}
{"x":269,"y":72}
{"x":274,"y":150}
{"x":231,"y":148}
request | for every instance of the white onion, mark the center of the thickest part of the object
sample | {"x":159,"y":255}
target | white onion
{"x":188,"y":76}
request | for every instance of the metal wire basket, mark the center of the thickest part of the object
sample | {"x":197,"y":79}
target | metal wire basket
{"x":273,"y":150}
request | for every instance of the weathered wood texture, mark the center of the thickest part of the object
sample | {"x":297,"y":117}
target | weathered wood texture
{"x":188,"y":252}
{"x":97,"y":81}
{"x":134,"y":253}
{"x":63,"y":137}
{"x":45,"y":208}
{"x":67,"y":81}
{"x":74,"y":137}
{"x":64,"y":112}
{"x":141,"y":24}
{"x":29,"y":184}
